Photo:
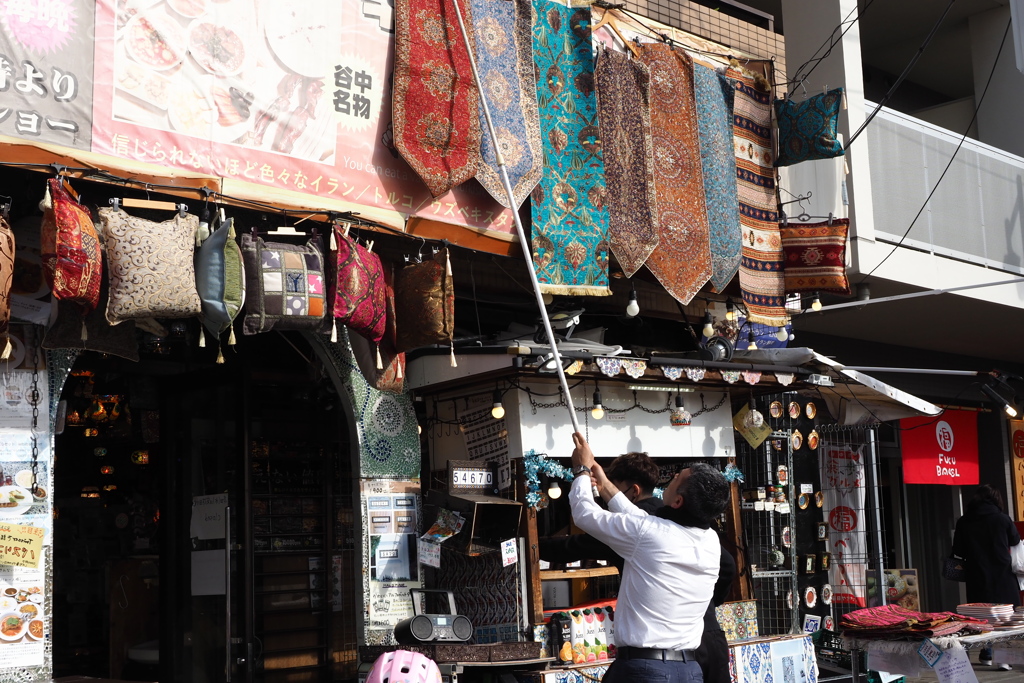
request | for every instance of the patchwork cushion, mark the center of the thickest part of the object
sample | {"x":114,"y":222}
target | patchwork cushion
{"x":71,"y":253}
{"x":425,"y":303}
{"x":358,"y":290}
{"x":220,"y":278}
{"x":150,"y":266}
{"x":6,"y":282}
{"x":284,"y":285}
{"x":807,"y":129}
{"x":816,"y":257}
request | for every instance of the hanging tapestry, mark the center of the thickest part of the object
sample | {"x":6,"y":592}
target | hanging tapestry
{"x":435,"y":101}
{"x":570,"y":219}
{"x":624,"y":99}
{"x":504,"y":58}
{"x":816,"y":257}
{"x":808,"y":130}
{"x":761,"y":280}
{"x":714,"y":95}
{"x":682,"y":259}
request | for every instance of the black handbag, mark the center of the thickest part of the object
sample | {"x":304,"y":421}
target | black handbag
{"x":953,"y":569}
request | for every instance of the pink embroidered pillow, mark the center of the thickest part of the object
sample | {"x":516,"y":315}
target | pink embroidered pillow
{"x":358,"y":288}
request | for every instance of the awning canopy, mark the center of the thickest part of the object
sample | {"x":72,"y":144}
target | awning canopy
{"x":855,"y":398}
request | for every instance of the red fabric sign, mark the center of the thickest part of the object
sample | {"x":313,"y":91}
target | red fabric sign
{"x":941,"y":450}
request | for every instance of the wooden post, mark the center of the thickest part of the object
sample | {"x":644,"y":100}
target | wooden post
{"x":741,"y":589}
{"x":528,"y":529}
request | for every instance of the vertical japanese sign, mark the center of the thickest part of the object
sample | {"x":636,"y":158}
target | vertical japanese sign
{"x":46,"y":70}
{"x":291,"y":95}
{"x":842,"y":481}
{"x":1017,"y":467}
{"x":941,"y":450}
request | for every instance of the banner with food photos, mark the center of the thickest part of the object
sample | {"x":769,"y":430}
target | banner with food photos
{"x":294,"y":96}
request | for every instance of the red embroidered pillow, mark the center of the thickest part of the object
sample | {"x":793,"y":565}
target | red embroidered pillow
{"x":358,"y":290}
{"x":425,"y":303}
{"x":816,"y":257}
{"x":71,"y":254}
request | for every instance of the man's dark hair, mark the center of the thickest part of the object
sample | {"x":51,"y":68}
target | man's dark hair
{"x":987,"y":494}
{"x":706,"y":493}
{"x":634,"y":468}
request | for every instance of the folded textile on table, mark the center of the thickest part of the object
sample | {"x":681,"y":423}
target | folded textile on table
{"x":893,"y":621}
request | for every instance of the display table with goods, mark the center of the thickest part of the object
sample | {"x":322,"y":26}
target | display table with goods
{"x":903,"y":642}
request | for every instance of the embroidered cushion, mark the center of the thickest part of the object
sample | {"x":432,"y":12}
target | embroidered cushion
{"x":816,"y":257}
{"x":358,"y":289}
{"x":807,"y":130}
{"x":392,"y":376}
{"x":6,"y":282}
{"x":93,"y":333}
{"x":425,"y":303}
{"x":284,"y":285}
{"x":150,"y":266}
{"x":220,"y":278}
{"x":71,"y":253}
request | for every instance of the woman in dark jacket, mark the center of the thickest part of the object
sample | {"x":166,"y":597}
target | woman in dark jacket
{"x":983,"y":538}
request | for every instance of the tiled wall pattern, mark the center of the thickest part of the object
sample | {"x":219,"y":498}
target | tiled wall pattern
{"x":716,"y":26}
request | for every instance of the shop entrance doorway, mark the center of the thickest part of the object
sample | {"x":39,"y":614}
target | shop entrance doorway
{"x":205,"y":527}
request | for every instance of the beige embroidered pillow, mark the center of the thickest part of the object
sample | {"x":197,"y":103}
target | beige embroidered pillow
{"x":150,"y":265}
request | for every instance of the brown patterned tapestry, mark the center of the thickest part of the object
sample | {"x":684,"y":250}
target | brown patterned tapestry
{"x":761,"y":279}
{"x":435,"y":102}
{"x":624,"y":106}
{"x":504,"y":58}
{"x":682,"y":259}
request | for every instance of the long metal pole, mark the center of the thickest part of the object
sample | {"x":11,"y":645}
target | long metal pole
{"x":507,"y":184}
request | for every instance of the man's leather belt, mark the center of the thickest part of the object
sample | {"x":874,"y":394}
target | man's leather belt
{"x":630,"y":652}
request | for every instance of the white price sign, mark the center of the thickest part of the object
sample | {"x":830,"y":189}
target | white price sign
{"x":509,"y":552}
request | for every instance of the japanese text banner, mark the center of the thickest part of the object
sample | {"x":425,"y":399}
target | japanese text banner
{"x":293,"y":96}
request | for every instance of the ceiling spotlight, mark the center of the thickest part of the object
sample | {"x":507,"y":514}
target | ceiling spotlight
{"x":781,"y":334}
{"x":632,"y":308}
{"x":497,"y":410}
{"x":709,"y":328}
{"x":815,"y":303}
{"x":992,"y":394}
{"x":751,"y":344}
{"x":598,"y":411}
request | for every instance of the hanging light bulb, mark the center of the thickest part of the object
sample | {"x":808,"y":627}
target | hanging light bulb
{"x":709,"y":328}
{"x":598,"y":411}
{"x":751,"y":344}
{"x":497,"y":410}
{"x":730,"y":311}
{"x":554,"y":490}
{"x":792,"y":335}
{"x":781,"y":334}
{"x":815,"y":303}
{"x":632,"y":308}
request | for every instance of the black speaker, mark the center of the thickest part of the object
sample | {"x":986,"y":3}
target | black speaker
{"x":425,"y":628}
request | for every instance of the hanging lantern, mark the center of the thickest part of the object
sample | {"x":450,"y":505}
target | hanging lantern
{"x":140,"y":457}
{"x":680,"y":416}
{"x":107,"y":469}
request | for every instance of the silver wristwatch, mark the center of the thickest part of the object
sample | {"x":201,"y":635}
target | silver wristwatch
{"x":580,"y":469}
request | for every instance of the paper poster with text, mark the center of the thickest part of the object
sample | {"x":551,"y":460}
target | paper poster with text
{"x":842,"y":481}
{"x":292,"y":95}
{"x":24,"y":616}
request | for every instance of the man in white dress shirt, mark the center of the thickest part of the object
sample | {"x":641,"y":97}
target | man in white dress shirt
{"x":671,"y":566}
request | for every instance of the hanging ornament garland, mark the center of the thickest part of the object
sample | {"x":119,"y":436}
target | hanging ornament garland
{"x":536,"y":463}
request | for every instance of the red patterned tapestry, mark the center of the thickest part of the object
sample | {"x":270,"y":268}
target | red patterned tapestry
{"x":761,"y":279}
{"x":816,"y":257}
{"x":435,"y":101}
{"x":682,"y":259}
{"x":624,"y":105}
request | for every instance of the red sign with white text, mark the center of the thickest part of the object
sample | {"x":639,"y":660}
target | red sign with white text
{"x":942,"y":450}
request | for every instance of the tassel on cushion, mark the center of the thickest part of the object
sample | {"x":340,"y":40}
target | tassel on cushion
{"x":454,"y":364}
{"x":85,"y":331}
{"x":7,"y":350}
{"x":447,"y":263}
{"x":334,"y":241}
{"x":202,"y":338}
{"x":220,"y":354}
{"x":380,"y":361}
{"x":398,"y":373}
{"x":231,"y":336}
{"x":334,"y":332}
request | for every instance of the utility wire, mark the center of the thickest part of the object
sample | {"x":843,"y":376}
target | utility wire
{"x":830,"y":42}
{"x":906,"y":72}
{"x":974,"y":118}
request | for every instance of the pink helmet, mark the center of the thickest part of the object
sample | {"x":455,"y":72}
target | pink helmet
{"x":402,"y":666}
